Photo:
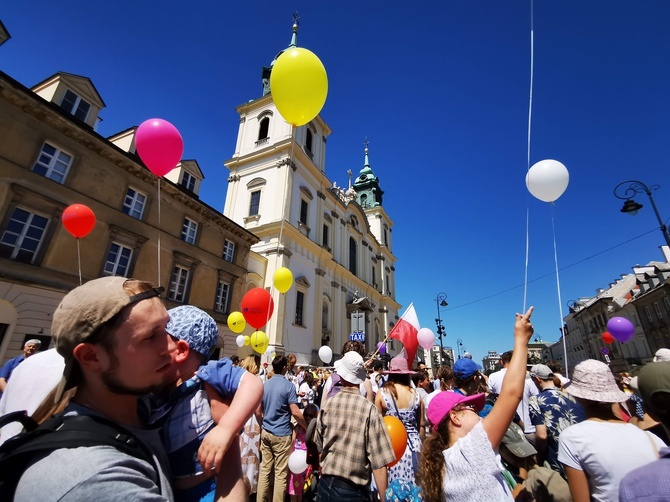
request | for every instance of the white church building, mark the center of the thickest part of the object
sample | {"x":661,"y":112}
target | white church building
{"x":337,"y":241}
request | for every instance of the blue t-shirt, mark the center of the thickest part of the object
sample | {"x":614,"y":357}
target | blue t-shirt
{"x":278,"y":395}
{"x":185,"y":415}
{"x":10,"y":366}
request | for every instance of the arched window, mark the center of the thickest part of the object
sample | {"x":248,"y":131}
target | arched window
{"x":264,"y":128}
{"x":308,"y":141}
{"x":352,"y":255}
{"x":324,"y":317}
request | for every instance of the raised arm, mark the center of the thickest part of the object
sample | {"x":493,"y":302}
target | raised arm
{"x":497,"y":421}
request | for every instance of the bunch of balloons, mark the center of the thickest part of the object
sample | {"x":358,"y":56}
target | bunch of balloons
{"x":547,"y":180}
{"x":78,"y":220}
{"x":159,"y":145}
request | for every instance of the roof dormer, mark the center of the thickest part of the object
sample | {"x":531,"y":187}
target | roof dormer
{"x":73,"y":94}
{"x":187,"y":175}
{"x":4,"y":34}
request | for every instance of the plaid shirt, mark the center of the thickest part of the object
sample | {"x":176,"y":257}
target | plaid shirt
{"x":352,"y":438}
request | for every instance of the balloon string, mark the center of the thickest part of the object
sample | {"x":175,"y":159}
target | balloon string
{"x":159,"y":232}
{"x":79,"y":260}
{"x":558,"y":289}
{"x":530,"y":115}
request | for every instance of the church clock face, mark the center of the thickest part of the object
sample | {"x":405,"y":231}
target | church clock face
{"x":364,"y":177}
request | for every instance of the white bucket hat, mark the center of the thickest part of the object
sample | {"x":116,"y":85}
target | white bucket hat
{"x":351,"y":368}
{"x":594,"y":381}
{"x":662,"y":355}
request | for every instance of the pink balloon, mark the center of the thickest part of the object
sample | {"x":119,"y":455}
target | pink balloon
{"x":426,"y":338}
{"x":159,"y":145}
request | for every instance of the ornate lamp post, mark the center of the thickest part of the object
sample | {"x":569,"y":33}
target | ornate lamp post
{"x":440,"y":301}
{"x":626,"y":190}
{"x":459,"y":343}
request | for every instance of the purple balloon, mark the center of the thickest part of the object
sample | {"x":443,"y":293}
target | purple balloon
{"x":621,"y":329}
{"x":382,"y":347}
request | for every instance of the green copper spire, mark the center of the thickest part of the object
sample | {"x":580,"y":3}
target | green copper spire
{"x":368,"y":192}
{"x":267,"y":70}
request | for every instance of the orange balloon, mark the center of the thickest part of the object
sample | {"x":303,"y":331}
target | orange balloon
{"x":398,"y":434}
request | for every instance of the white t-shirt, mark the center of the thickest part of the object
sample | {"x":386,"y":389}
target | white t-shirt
{"x":529,"y":389}
{"x":473,"y":470}
{"x":308,"y":398}
{"x":606,"y":452}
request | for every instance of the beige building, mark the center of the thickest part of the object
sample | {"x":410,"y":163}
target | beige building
{"x":51,"y":157}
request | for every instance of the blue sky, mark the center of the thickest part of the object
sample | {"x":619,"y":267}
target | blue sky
{"x":441,"y":91}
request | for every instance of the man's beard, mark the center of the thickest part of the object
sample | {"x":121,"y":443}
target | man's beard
{"x":113,"y":383}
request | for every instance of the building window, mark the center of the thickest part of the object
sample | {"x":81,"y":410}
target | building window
{"x":75,"y":105}
{"x":374,"y":276}
{"x":325,"y":236}
{"x":188,"y":181}
{"x":229,"y":250}
{"x":308,"y":141}
{"x":23,"y":236}
{"x":255,"y":203}
{"x":189,"y":231}
{"x":324,"y":317}
{"x":299,"y":305}
{"x":133,"y":205}
{"x":303,"y":211}
{"x":178,"y":283}
{"x":53,"y":163}
{"x":657,"y":308}
{"x":118,"y":260}
{"x":386,"y":241}
{"x":264,"y":128}
{"x":222,"y":297}
{"x":352,"y":255}
{"x":647,"y":311}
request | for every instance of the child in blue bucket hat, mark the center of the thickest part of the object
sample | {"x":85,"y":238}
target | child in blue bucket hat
{"x":194,"y":441}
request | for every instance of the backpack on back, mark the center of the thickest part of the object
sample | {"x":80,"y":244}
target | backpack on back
{"x":61,"y":431}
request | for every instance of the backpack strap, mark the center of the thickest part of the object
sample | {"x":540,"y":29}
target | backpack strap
{"x":63,"y":431}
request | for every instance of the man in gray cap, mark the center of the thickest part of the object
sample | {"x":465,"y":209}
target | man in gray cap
{"x":652,"y":481}
{"x":111,"y":333}
{"x":552,"y":409}
{"x":29,"y":348}
{"x":350,"y":452}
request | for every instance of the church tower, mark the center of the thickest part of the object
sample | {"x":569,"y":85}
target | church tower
{"x":334,"y":246}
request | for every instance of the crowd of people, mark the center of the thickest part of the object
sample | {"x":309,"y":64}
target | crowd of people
{"x":196,"y":429}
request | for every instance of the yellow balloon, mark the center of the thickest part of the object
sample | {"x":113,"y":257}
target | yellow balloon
{"x":259,"y":341}
{"x":247,"y":340}
{"x":299,"y":85}
{"x":236,"y":322}
{"x":283,"y":279}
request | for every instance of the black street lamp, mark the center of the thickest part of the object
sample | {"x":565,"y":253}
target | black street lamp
{"x":459,"y":343}
{"x":440,"y":301}
{"x":626,"y":190}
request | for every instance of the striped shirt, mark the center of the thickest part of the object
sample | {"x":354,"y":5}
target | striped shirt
{"x":352,"y":438}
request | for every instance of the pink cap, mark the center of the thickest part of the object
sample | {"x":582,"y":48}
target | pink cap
{"x":445,"y":401}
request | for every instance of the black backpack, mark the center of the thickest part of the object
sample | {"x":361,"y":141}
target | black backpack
{"x":61,"y":431}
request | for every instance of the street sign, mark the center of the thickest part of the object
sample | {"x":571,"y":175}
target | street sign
{"x":605,"y":351}
{"x":607,"y":359}
{"x":357,"y":336}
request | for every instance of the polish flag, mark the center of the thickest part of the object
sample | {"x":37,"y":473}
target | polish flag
{"x":406,"y":330}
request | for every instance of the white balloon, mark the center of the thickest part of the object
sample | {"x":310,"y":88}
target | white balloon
{"x":297,"y":461}
{"x":426,"y":338}
{"x":240,"y":340}
{"x":325,"y":354}
{"x":547,"y":180}
{"x":269,"y":351}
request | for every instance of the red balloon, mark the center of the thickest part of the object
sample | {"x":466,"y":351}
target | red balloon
{"x":398,"y":435}
{"x":159,"y":145}
{"x":607,"y":337}
{"x":78,"y":219}
{"x":257,"y":307}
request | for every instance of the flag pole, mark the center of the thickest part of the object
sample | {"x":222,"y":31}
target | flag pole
{"x":376,"y":351}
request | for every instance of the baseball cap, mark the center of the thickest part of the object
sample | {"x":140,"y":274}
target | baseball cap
{"x":85,"y":309}
{"x":194,"y":326}
{"x":465,"y":368}
{"x":542,"y":372}
{"x":662,"y":355}
{"x":351,"y":368}
{"x":445,"y":401}
{"x":516,"y":442}
{"x":654,"y":380}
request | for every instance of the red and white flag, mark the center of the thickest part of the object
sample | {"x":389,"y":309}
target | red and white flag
{"x":406,"y":330}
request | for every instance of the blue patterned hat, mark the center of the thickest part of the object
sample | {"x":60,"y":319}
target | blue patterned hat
{"x":194,"y":326}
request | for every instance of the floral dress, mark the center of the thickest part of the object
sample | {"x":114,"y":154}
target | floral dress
{"x":251,"y":457}
{"x":409,"y":462}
